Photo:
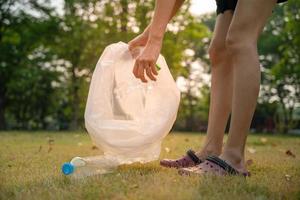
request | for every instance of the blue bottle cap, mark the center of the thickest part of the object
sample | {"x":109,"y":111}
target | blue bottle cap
{"x":67,"y":168}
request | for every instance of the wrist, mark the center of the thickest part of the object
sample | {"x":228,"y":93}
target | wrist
{"x":146,"y":32}
{"x":156,"y":38}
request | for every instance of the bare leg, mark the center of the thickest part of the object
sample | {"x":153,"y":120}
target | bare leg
{"x":221,"y":87}
{"x":221,"y":94}
{"x":248,"y":21}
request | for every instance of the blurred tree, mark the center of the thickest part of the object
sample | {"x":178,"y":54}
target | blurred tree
{"x":26,"y":72}
{"x":88,"y":26}
{"x":279,"y":47}
{"x":46,"y":60}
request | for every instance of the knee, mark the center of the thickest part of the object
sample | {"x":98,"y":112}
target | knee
{"x":236,"y":44}
{"x":217,"y":53}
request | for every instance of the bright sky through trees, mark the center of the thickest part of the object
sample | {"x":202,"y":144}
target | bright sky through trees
{"x":198,"y":6}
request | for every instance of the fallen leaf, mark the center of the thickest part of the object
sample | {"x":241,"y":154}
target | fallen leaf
{"x":94,"y":147}
{"x":274,"y":145}
{"x":12,"y":158}
{"x":251,"y":150}
{"x":249,"y":162}
{"x":134,"y":186}
{"x":167,"y":149}
{"x":290,"y":153}
{"x":40,"y":148}
{"x":263,"y":140}
{"x":186,"y":139}
{"x":288,"y":177}
{"x":50,"y":141}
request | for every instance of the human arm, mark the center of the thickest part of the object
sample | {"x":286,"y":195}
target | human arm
{"x":152,"y":38}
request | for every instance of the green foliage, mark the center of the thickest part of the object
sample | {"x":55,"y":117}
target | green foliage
{"x":47,"y":59}
{"x":280,"y":48}
{"x":26,"y":93}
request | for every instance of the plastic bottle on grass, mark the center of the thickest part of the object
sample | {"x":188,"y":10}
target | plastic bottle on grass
{"x":88,"y":166}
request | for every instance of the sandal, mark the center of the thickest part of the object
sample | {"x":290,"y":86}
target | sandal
{"x":213,"y":165}
{"x":189,"y":160}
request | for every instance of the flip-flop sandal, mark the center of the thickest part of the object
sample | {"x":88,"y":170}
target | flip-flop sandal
{"x":213,"y":165}
{"x":189,"y":160}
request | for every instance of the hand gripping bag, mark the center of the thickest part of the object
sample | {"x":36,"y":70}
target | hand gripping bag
{"x":125,"y":118}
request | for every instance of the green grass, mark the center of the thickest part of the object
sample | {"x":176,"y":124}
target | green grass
{"x":30,"y":170}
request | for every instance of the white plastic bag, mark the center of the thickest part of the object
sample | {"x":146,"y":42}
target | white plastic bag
{"x":128,"y":119}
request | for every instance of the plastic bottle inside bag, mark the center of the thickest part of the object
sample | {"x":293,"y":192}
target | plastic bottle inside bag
{"x":88,"y":166}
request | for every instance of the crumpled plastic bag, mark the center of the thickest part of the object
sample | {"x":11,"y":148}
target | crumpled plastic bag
{"x":125,"y":118}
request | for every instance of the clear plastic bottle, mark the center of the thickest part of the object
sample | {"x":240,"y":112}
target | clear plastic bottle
{"x":88,"y":166}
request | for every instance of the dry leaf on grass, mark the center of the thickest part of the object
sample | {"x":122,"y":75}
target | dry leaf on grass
{"x":94,"y":147}
{"x":50,"y":141}
{"x":251,"y":150}
{"x":290,"y":153}
{"x":288,"y":177}
{"x":167,"y":149}
{"x":134,"y":186}
{"x":249,"y":162}
{"x":50,"y":144}
{"x":40,"y":148}
{"x":12,"y":158}
{"x":263,"y":140}
{"x":274,"y":144}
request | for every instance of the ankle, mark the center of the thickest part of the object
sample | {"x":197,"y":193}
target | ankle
{"x":234,"y":158}
{"x":208,"y":151}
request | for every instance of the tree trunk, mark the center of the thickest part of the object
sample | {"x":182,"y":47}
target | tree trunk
{"x":190,"y":125}
{"x":124,"y":16}
{"x":2,"y":110}
{"x":75,"y":100}
{"x":285,"y":127}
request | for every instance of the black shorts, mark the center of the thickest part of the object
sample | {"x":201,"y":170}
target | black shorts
{"x":223,"y":5}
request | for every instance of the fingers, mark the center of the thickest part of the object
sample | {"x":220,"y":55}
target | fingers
{"x":149,"y":73}
{"x":141,"y":74}
{"x":153,"y":68}
{"x":140,"y":67}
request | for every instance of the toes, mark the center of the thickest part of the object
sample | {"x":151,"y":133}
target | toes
{"x":165,"y":163}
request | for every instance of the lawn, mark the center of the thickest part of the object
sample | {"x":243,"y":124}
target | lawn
{"x":30,"y":169}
